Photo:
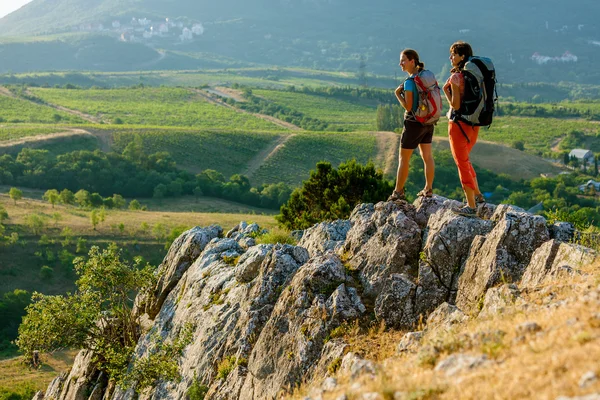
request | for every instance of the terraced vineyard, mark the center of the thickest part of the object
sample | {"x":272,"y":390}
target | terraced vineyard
{"x":14,"y":110}
{"x":337,"y":113}
{"x":292,"y":163}
{"x":152,"y":106}
{"x":10,"y":132}
{"x":226,"y":152}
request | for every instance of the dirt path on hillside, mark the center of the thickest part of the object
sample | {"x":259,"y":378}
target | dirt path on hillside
{"x":266,"y":154}
{"x":555,"y":145}
{"x":388,"y":144}
{"x":42,"y":138}
{"x":206,"y":96}
{"x":82,"y":115}
{"x":5,"y":92}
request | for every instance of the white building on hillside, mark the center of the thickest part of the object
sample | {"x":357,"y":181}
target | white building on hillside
{"x":589,"y":184}
{"x":582,"y":154}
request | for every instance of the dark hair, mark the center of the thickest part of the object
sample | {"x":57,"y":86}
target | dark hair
{"x":462,"y":49}
{"x":413,"y":55}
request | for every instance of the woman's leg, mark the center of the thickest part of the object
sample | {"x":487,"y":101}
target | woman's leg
{"x":460,"y":151}
{"x":403,"y":164}
{"x":428,"y":164}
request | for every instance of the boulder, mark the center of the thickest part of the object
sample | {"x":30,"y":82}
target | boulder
{"x":499,"y":299}
{"x":182,"y":253}
{"x":553,"y":259}
{"x":502,"y":255}
{"x":383,"y":240}
{"x":445,"y":316}
{"x":395,"y":305}
{"x":325,"y":236}
{"x":447,"y":240}
{"x":315,"y":302}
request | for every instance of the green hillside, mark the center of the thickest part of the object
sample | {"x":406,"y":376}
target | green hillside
{"x":79,"y":34}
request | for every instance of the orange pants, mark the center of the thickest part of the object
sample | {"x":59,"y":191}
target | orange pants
{"x":461,"y":148}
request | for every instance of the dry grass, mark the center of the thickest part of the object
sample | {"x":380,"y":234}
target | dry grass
{"x":542,"y":365}
{"x":14,"y":374}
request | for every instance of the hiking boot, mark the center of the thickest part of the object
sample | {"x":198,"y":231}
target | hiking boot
{"x":397,"y":196}
{"x":465,"y":211}
{"x":479,"y":199}
{"x":425,"y":193}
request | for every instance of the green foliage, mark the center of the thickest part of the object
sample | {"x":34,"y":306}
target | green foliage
{"x":226,"y":365}
{"x":331,"y":194}
{"x":3,"y":214}
{"x":389,"y":117}
{"x":46,"y":273}
{"x":134,"y":205}
{"x":160,"y":362}
{"x":36,"y":223}
{"x":197,"y":391}
{"x":276,"y":236}
{"x":51,"y":196}
{"x":97,"y":316}
{"x":15,"y":194}
{"x":26,"y":392}
{"x":12,"y":309}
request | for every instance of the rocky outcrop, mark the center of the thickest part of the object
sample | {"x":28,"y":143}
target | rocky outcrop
{"x":553,"y":259}
{"x":500,"y":256}
{"x":384,"y":240}
{"x":182,"y":253}
{"x":325,"y":236}
{"x":264,"y":317}
{"x":447,"y":240}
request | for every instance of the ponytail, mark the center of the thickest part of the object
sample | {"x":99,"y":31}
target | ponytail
{"x":413,"y":55}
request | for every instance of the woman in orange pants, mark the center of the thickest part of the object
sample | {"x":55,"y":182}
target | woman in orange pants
{"x":462,"y":136}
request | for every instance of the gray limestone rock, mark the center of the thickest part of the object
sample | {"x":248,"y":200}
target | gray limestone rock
{"x":325,"y":236}
{"x":383,"y":240}
{"x":445,"y":316}
{"x":314,"y":303}
{"x":457,"y":363}
{"x":425,"y":207}
{"x":562,"y":231}
{"x":553,"y":259}
{"x":498,"y":299}
{"x":409,"y":342}
{"x":182,"y":253}
{"x":249,"y":263}
{"x":395,"y":305}
{"x":446,"y":246}
{"x":500,"y":256}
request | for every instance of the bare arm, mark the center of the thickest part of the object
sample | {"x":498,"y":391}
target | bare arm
{"x":405,"y":98}
{"x":452,"y":92}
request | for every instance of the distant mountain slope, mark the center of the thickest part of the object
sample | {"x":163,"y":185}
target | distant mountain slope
{"x":529,"y":41}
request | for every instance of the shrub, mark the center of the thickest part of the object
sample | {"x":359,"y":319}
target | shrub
{"x":46,"y":273}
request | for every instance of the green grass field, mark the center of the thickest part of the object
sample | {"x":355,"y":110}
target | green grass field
{"x":152,"y":106}
{"x":337,"y":113}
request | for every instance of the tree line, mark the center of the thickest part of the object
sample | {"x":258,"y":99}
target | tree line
{"x":91,"y":178}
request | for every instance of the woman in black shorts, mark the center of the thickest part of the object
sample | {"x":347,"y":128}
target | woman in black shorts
{"x":414,"y":133}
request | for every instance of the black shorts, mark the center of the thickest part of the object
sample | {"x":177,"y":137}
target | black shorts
{"x":414,"y":134}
